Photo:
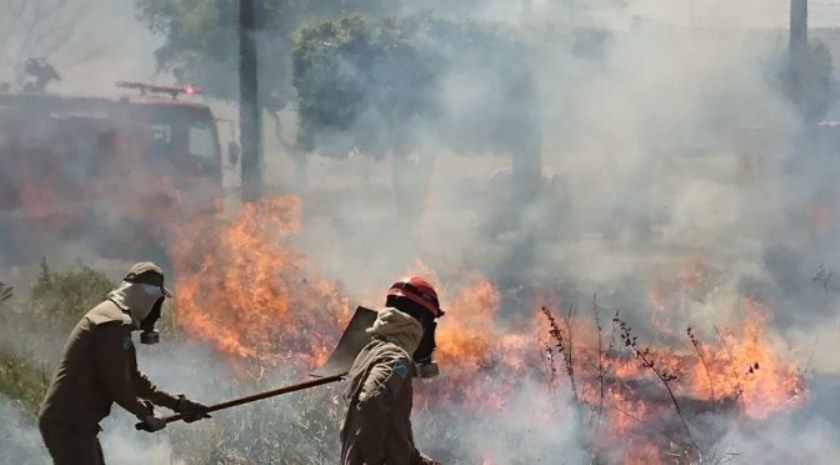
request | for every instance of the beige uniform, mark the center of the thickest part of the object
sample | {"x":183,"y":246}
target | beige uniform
{"x":99,"y":368}
{"x":377,"y":429}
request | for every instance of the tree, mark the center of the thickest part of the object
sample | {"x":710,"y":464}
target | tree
{"x":39,"y":29}
{"x":365,"y":83}
{"x":808,"y":80}
{"x":362,"y":86}
{"x":413,"y":85}
{"x":201,"y":43}
{"x":817,"y":85}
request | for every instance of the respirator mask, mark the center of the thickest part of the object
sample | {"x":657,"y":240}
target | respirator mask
{"x":426,"y":367}
{"x":418,"y":298}
{"x":149,"y":335}
{"x":143,"y":284}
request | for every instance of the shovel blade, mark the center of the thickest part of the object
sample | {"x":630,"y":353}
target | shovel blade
{"x":351,"y":343}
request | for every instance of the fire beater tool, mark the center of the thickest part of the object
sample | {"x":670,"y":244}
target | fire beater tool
{"x":352,"y":341}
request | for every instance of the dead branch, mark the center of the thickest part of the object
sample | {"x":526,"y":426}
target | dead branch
{"x":60,"y":34}
{"x":601,"y":368}
{"x":85,"y":57}
{"x":552,"y":367}
{"x":810,"y":357}
{"x":699,"y":349}
{"x":643,"y":354}
{"x":739,"y":393}
{"x":569,"y":355}
{"x":561,"y":345}
{"x":30,"y":29}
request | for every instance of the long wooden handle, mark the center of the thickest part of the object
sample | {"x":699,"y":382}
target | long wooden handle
{"x":260,"y":396}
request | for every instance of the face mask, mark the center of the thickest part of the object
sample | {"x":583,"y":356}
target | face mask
{"x":150,"y":334}
{"x":426,"y":367}
{"x":150,"y":289}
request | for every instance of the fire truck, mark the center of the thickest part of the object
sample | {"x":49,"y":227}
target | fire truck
{"x":109,"y":172}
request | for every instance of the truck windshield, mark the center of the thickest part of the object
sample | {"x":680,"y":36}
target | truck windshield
{"x":202,"y":141}
{"x":178,"y":132}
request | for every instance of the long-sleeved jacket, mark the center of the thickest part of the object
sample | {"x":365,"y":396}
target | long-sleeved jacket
{"x":377,"y":429}
{"x":99,"y":368}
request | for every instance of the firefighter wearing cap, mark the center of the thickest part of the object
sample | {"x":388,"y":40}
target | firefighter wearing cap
{"x":99,"y":368}
{"x":377,"y":428}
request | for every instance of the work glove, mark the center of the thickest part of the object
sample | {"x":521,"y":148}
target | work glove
{"x":191,"y":411}
{"x":148,"y":421}
{"x":424,"y":460}
{"x":151,"y":424}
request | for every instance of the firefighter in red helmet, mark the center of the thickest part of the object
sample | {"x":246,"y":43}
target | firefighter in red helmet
{"x":377,"y":428}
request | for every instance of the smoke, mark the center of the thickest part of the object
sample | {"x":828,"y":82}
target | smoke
{"x":815,"y":442}
{"x":535,"y":426}
{"x":610,"y":150}
{"x":667,"y":154}
{"x":659,"y":146}
{"x":19,"y":438}
{"x":677,"y":182}
{"x":91,"y":44}
{"x":810,"y":436}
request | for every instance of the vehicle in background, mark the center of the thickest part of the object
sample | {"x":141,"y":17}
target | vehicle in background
{"x":112,"y":172}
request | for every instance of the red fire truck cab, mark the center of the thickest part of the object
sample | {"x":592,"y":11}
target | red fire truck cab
{"x":111,"y":171}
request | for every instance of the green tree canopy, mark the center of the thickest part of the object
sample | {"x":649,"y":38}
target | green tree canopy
{"x":361,"y":84}
{"x":382,"y":85}
{"x":201,"y":42}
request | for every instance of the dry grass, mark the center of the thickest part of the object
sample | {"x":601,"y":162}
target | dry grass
{"x":302,"y":429}
{"x":683,"y":443}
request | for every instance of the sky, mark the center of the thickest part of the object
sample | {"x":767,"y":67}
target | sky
{"x":712,"y":13}
{"x":127,"y":47}
{"x":756,"y":13}
{"x":121,"y":48}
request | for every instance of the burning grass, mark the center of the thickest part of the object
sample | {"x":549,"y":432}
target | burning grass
{"x":559,"y":380}
{"x":243,"y":290}
{"x":667,"y":402}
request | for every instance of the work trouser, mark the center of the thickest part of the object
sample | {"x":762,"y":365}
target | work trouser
{"x":72,"y":445}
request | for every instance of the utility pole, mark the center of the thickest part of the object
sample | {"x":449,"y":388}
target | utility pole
{"x":250,"y":123}
{"x":798,"y":48}
{"x":798,"y":26}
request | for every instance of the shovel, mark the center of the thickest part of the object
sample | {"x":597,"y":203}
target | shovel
{"x":338,"y":365}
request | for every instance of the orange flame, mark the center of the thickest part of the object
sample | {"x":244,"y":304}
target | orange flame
{"x":250,"y":296}
{"x":242,"y":288}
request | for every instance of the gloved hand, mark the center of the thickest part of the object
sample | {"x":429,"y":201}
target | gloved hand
{"x":151,"y":424}
{"x":428,"y":461}
{"x":191,"y":411}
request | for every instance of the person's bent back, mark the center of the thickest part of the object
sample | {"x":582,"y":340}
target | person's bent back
{"x":99,"y":368}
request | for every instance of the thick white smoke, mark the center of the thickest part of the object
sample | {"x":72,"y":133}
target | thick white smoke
{"x":663,"y":147}
{"x":667,"y":150}
{"x":20,"y":442}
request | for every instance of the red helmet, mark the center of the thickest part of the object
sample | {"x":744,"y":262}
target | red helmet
{"x":419,"y":291}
